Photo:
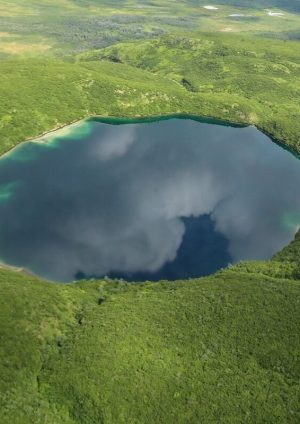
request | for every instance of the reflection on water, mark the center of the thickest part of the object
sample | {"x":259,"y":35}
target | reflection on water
{"x":169,"y":199}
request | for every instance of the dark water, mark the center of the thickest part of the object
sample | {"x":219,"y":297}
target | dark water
{"x":169,"y":199}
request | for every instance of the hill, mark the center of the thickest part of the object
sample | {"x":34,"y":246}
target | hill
{"x":202,"y":75}
{"x":218,"y":349}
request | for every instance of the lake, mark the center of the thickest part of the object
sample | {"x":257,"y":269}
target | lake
{"x":167,"y":199}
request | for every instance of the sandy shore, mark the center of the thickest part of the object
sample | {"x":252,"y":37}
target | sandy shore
{"x":47,"y":136}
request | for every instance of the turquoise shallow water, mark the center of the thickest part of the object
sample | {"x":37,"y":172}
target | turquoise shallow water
{"x":170,"y":199}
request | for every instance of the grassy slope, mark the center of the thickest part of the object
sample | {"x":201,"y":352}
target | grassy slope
{"x":220,"y":349}
{"x":202,"y":75}
{"x":68,"y":92}
{"x":214,"y":68}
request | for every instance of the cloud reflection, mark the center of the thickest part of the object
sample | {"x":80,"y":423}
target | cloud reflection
{"x":114,"y":202}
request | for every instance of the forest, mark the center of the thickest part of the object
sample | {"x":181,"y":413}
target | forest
{"x":223,"y":348}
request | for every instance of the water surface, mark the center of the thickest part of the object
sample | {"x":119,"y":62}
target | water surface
{"x":146,"y":201}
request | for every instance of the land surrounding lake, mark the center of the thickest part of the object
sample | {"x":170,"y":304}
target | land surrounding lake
{"x":223,"y":348}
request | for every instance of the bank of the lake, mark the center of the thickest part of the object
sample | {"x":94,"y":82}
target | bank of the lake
{"x":68,"y":92}
{"x":64,"y":128}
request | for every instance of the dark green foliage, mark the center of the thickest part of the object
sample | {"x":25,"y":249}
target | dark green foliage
{"x":34,"y":317}
{"x":290,"y":257}
{"x":223,"y":349}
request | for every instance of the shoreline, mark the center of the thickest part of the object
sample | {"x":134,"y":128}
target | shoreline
{"x":42,"y":137}
{"x":121,"y":120}
{"x":18,"y":269}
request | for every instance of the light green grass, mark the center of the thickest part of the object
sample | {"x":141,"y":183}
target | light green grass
{"x":203,"y":75}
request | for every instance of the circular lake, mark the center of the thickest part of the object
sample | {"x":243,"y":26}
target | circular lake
{"x":167,"y":199}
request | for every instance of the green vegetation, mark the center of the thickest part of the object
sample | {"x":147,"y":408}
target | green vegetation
{"x":215,"y":66}
{"x":220,"y":349}
{"x":223,"y":349}
{"x":58,"y":26}
{"x":203,"y":75}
